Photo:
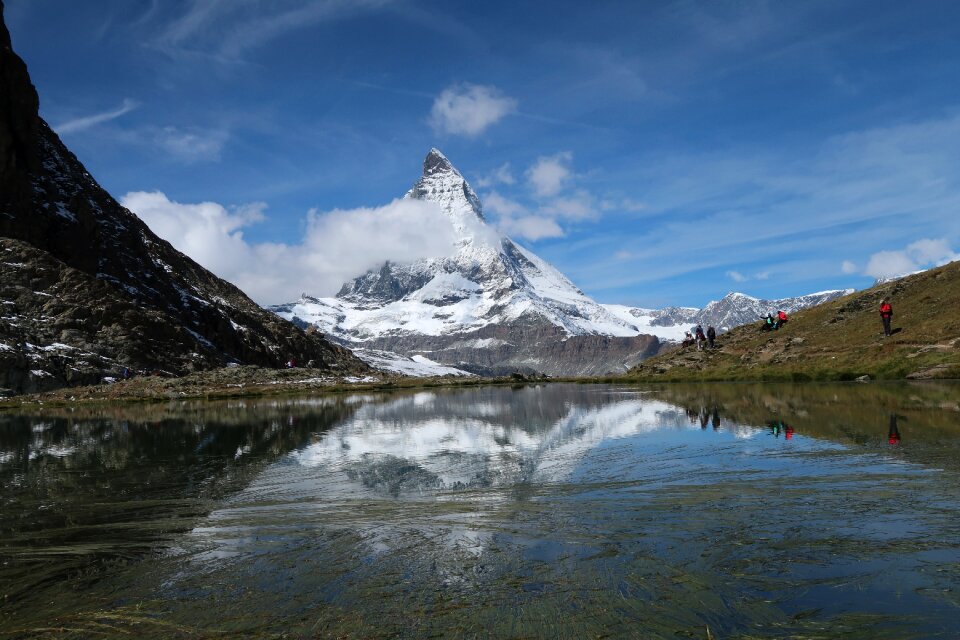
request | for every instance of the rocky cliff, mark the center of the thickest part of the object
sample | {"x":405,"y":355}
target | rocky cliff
{"x":86,"y":289}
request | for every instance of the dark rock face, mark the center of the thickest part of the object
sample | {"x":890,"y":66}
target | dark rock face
{"x":531,"y":345}
{"x":79,"y":270}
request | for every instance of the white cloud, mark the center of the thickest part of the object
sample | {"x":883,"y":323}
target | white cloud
{"x":579,"y":206}
{"x":922,"y":254}
{"x":549,"y":174}
{"x":502,"y":175}
{"x":848,"y":267}
{"x":936,"y":252}
{"x":531,"y":227}
{"x":515,"y":220}
{"x":192,"y":146}
{"x":468,"y":109}
{"x":336,"y":246}
{"x":86,"y":122}
{"x":503,"y":207}
{"x":736,"y":276}
{"x":625,"y":204}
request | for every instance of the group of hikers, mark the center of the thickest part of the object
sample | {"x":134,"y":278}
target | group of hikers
{"x":700,"y":338}
{"x":771,"y":323}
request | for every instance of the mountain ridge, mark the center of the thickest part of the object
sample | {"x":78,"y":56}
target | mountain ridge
{"x":88,"y":290}
{"x":837,"y":340}
{"x":493,"y":306}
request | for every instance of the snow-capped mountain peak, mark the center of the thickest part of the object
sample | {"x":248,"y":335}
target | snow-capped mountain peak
{"x":489,"y":285}
{"x":443,"y":184}
{"x":494,"y":306}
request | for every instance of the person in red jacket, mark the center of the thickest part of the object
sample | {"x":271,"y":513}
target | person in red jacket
{"x":886,"y":315}
{"x":781,"y":318}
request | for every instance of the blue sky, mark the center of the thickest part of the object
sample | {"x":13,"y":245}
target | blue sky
{"x":656,"y":152}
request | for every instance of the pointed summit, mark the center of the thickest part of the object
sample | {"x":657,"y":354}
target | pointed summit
{"x":443,"y":184}
{"x":436,"y":162}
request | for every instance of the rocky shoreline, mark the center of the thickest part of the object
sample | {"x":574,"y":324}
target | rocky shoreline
{"x":244,"y":381}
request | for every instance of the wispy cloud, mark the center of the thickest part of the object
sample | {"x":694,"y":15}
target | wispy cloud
{"x":226,"y":29}
{"x":192,"y":145}
{"x":739,"y":206}
{"x":501,"y":175}
{"x":548,"y":174}
{"x":516,"y":220}
{"x":736,"y":276}
{"x":469,"y":109}
{"x":87,"y":122}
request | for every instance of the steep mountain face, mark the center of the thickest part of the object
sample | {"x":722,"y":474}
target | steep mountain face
{"x":491,"y":307}
{"x":86,"y":289}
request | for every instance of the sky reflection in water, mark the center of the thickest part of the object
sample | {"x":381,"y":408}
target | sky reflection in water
{"x":559,"y":509}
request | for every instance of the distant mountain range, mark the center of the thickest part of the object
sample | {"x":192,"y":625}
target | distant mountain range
{"x":496,"y":307}
{"x":87,"y":290}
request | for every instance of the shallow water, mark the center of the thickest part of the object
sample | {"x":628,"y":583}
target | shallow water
{"x":756,"y":511}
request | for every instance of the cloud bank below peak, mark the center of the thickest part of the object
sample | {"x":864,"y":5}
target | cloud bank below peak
{"x":335,"y":247}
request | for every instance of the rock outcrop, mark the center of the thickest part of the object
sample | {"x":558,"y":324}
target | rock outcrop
{"x":87,"y":290}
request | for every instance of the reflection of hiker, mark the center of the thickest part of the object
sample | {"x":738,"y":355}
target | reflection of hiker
{"x":126,"y":373}
{"x":711,"y":335}
{"x":893,"y":434}
{"x":787,"y":432}
{"x":768,"y":324}
{"x":700,"y":337}
{"x":716,"y":418}
{"x":886,"y":315}
{"x":704,"y":418}
{"x":781,"y":319}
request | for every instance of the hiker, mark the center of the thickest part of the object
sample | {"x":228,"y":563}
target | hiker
{"x":886,"y":315}
{"x":700,"y":337}
{"x":711,"y":335}
{"x":767,"y":323}
{"x":781,"y":319}
{"x":893,"y":433}
{"x":687,"y":340}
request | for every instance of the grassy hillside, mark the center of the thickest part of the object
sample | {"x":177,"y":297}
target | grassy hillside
{"x":840,"y":340}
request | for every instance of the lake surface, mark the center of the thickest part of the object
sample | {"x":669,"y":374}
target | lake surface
{"x":758,"y":511}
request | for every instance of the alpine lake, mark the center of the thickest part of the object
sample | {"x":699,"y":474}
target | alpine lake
{"x":535,"y":511}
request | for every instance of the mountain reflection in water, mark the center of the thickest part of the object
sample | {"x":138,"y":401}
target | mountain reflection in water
{"x":546,"y":511}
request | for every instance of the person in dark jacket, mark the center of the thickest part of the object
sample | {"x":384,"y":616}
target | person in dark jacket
{"x":700,"y":337}
{"x":768,"y":324}
{"x":886,"y":315}
{"x":711,"y":336}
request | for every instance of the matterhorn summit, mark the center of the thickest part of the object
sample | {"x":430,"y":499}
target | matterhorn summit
{"x":490,"y":307}
{"x":493,"y":307}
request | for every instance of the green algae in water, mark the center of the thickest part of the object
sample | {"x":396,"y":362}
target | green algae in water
{"x":549,"y":511}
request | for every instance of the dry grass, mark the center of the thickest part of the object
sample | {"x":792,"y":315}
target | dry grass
{"x":838,"y":340}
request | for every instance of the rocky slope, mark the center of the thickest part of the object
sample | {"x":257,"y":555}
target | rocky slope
{"x":839,"y":340}
{"x":86,"y":289}
{"x":490,"y":307}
